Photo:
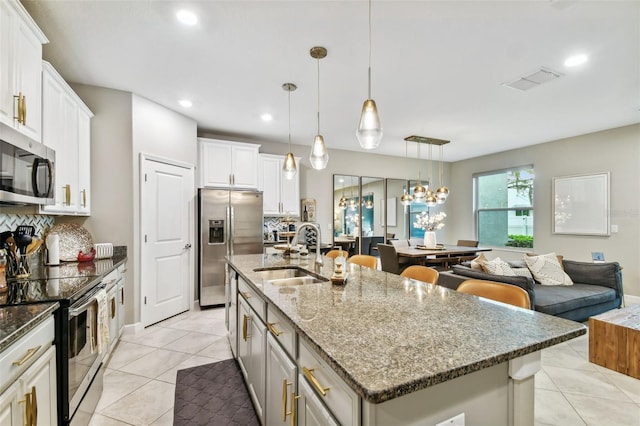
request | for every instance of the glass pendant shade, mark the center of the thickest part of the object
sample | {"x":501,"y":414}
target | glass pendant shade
{"x":368,"y":204}
{"x":369,"y":131}
{"x":442,"y":193}
{"x":406,"y":199}
{"x":419,"y":192}
{"x":289,"y":168}
{"x":431,"y":199}
{"x":342,"y":204}
{"x":319,"y":156}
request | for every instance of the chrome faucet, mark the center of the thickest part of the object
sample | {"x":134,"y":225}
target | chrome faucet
{"x":316,"y":228}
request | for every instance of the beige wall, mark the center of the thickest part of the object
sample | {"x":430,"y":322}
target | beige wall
{"x":615,"y":150}
{"x":124,"y":126}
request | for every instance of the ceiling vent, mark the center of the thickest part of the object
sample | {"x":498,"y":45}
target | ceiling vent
{"x":535,"y":79}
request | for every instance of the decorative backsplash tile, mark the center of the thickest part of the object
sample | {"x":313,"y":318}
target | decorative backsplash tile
{"x":9,"y":222}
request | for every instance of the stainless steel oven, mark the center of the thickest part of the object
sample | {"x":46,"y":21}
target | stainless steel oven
{"x":26,"y":169}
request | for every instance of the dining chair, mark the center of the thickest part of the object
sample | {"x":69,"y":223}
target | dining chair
{"x":364,"y":260}
{"x":505,"y":293}
{"x":467,"y":243}
{"x":421,"y":273}
{"x":389,"y":258}
{"x":374,"y":245}
{"x":400,"y":243}
{"x":335,"y":253}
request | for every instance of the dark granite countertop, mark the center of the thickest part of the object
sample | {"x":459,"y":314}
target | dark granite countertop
{"x":56,"y":284}
{"x":16,"y":321}
{"x":388,"y":336}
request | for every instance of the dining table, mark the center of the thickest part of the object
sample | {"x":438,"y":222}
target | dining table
{"x":440,"y":251}
{"x":345,"y":241}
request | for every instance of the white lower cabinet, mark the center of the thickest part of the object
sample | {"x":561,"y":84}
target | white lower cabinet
{"x":311,"y":411}
{"x":281,"y":385}
{"x":31,"y":397}
{"x":251,"y":353}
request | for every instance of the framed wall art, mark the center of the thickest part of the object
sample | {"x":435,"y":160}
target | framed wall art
{"x":581,"y":204}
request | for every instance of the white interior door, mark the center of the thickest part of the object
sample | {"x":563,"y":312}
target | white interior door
{"x":167,"y":266}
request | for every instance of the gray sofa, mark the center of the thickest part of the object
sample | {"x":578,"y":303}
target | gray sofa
{"x":597,"y":288}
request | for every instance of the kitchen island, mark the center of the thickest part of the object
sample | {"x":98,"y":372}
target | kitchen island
{"x":413,"y":353}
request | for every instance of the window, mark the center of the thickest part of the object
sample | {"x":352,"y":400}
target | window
{"x":504,"y":207}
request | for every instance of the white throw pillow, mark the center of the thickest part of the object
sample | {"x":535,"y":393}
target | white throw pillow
{"x":498,"y":266}
{"x":522,"y":272}
{"x":547,"y":270}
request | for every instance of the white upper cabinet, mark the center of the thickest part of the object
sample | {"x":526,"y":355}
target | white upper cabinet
{"x":66,"y":128}
{"x":280,"y":196}
{"x":20,"y":70}
{"x":225,"y":164}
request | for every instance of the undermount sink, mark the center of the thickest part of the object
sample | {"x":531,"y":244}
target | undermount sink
{"x":288,"y":276}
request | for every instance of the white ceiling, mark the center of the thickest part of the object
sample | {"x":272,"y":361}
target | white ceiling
{"x":437,"y":66}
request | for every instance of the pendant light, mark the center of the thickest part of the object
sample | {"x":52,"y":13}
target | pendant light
{"x":369,"y":131}
{"x":430,"y":196}
{"x":406,"y":198}
{"x":442,"y":192}
{"x":419,"y":191}
{"x":319,"y":157}
{"x":289,"y":167}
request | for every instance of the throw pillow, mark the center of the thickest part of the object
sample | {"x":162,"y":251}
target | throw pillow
{"x":498,"y":266}
{"x":478,"y":261}
{"x":559,"y":256}
{"x":521,"y":272}
{"x":547,"y":270}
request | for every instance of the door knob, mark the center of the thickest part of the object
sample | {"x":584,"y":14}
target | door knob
{"x":187,"y":246}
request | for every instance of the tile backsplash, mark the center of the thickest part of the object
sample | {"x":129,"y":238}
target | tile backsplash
{"x":42,"y":223}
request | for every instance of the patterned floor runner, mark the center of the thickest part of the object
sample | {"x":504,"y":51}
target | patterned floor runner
{"x":213,"y":394}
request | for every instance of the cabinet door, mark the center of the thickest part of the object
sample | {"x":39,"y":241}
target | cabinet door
{"x":251,"y":353}
{"x":215,"y":165}
{"x":311,"y":411}
{"x":270,"y":185}
{"x":290,"y":194}
{"x":9,"y":406}
{"x":84,"y":163}
{"x":7,"y":30}
{"x":245,"y":166}
{"x":40,"y":381}
{"x":53,"y":133}
{"x":67,"y":157}
{"x":281,"y":384}
{"x":28,"y":59}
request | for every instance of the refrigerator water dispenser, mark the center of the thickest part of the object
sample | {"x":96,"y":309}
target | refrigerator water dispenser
{"x":216,"y":231}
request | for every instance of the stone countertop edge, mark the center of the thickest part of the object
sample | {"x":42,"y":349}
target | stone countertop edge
{"x":245,"y":265}
{"x":20,"y":319}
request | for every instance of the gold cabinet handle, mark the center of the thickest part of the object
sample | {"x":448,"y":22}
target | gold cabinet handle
{"x":84,"y":197}
{"x":67,"y":195}
{"x":34,"y":407}
{"x":24,"y":110}
{"x":273,"y":330}
{"x":284,"y":398}
{"x":245,"y":294}
{"x":122,"y":295}
{"x":316,"y":384}
{"x":244,"y":327}
{"x":30,"y":352}
{"x":294,"y":410}
{"x":113,"y":307}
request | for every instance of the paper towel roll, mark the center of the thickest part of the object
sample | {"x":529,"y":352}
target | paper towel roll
{"x":53,"y":246}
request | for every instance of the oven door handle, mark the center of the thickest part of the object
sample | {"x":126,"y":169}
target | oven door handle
{"x":74,"y":312}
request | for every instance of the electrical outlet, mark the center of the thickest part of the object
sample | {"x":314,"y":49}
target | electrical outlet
{"x":453,"y":421}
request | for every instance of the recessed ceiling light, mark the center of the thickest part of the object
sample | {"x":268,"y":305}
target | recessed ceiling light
{"x":575,"y":60}
{"x":266,"y":117}
{"x":187,"y":17}
{"x":185,"y":103}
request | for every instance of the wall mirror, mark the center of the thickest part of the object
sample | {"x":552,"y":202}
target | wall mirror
{"x":397,"y":225}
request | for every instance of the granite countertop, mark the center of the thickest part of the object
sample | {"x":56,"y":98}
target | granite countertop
{"x":388,"y":336}
{"x":55,"y":283}
{"x":16,"y":321}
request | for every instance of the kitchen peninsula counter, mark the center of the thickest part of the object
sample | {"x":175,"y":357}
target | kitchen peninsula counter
{"x":17,"y":321}
{"x":387,"y":336}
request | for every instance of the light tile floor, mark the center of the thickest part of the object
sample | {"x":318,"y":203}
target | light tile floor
{"x":140,"y":379}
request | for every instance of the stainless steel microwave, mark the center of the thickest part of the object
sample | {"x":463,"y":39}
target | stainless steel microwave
{"x":26,"y":169}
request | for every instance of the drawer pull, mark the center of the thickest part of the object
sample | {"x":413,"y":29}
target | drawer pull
{"x":284,"y":398}
{"x":245,"y":294}
{"x":30,"y":352}
{"x":316,"y":384}
{"x":294,"y":409}
{"x":244,"y":327}
{"x":274,"y":330}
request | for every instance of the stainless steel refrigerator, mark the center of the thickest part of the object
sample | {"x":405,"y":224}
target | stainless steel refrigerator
{"x":230,"y":222}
